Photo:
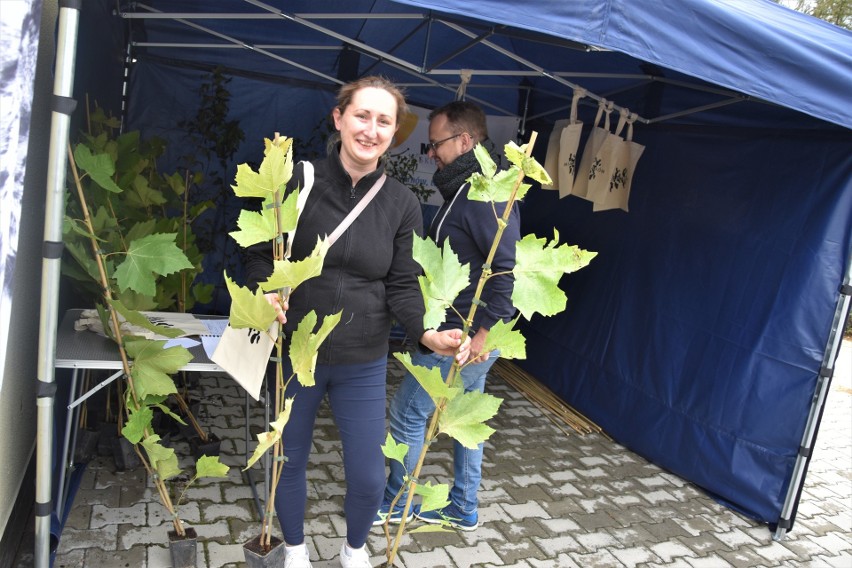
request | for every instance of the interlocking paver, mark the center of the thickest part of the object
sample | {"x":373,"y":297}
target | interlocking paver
{"x":548,"y":500}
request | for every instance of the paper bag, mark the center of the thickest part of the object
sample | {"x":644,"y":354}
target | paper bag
{"x":569,"y":143}
{"x":599,"y":183}
{"x":591,"y":173}
{"x":244,"y":354}
{"x":625,"y":158}
{"x":551,"y":159}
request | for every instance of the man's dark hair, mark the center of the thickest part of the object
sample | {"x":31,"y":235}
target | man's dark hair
{"x":464,"y":116}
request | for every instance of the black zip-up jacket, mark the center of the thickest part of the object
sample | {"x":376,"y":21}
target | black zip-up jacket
{"x":369,"y":273}
{"x":471,"y":227}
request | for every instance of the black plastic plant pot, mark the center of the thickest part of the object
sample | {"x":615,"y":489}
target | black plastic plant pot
{"x":257,"y":557}
{"x":183,"y":550}
{"x":124,"y":454}
{"x":199,"y":448}
{"x":87,"y":445}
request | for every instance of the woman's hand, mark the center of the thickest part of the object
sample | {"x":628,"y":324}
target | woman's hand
{"x":477,"y":355}
{"x":447,"y":342}
{"x":281,"y":306}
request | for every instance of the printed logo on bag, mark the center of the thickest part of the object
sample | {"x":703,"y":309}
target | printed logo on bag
{"x":618,"y":179}
{"x":597,"y":168}
{"x":571,"y":163}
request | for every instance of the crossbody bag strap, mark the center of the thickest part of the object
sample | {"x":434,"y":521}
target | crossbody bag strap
{"x":356,"y":210}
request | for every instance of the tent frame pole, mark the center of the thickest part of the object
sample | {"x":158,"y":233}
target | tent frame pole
{"x":826,"y":372}
{"x":62,"y":107}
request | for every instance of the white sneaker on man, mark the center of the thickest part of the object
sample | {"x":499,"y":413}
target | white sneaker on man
{"x":297,"y":557}
{"x":354,"y":557}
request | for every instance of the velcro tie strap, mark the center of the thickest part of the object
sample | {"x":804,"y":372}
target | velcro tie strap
{"x":52,"y":249}
{"x":43,"y":509}
{"x":63,"y":105}
{"x":73,"y":4}
{"x":46,"y":390}
{"x":479,"y":303}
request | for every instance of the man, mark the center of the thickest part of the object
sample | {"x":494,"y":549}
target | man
{"x":454,"y":130}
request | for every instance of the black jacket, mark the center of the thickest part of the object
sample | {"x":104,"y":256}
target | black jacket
{"x":369,"y":273}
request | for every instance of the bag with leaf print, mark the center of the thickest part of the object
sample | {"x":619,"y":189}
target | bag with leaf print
{"x":624,"y":160}
{"x":592,"y":173}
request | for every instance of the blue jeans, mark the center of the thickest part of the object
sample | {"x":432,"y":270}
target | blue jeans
{"x":357,"y":395}
{"x":410,"y":410}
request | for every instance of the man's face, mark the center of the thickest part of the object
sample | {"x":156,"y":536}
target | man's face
{"x":450,"y":147}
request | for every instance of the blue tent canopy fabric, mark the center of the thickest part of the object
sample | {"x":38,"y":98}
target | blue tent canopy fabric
{"x":698,"y":334}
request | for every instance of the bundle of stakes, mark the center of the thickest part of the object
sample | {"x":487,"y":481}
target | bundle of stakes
{"x":555,"y":408}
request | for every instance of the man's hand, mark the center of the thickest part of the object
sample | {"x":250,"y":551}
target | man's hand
{"x":447,"y":342}
{"x":280,"y":305}
{"x":477,"y":355}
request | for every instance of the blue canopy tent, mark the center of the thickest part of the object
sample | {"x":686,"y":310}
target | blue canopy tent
{"x":703,"y":335}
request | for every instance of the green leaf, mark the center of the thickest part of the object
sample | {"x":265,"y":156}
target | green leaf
{"x":274,"y":172}
{"x":292,"y":274}
{"x":140,"y":320}
{"x":509,"y":341}
{"x":163,"y":459}
{"x":148,"y":257}
{"x":429,"y":378}
{"x":497,"y":189}
{"x":153,"y":365}
{"x":444,"y":277}
{"x":210,"y":466}
{"x":394,"y":451}
{"x":304,"y":345}
{"x":463,"y":418}
{"x":137,"y":422}
{"x":517,"y":155}
{"x":262,"y":226}
{"x":486,"y":164}
{"x":266,"y":440}
{"x":249,"y":309}
{"x":538,"y":268}
{"x":100,"y":167}
{"x":142,"y":195}
{"x":435,"y":497}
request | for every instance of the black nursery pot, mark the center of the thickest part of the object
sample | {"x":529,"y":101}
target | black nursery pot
{"x":209,"y":448}
{"x":87,"y":445}
{"x":183,"y":550}
{"x":124,"y":454}
{"x":256,"y":557}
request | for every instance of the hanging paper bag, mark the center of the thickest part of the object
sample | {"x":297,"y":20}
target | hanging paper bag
{"x":569,"y":142}
{"x":625,"y":160}
{"x":596,"y":153}
{"x":599,"y":183}
{"x":551,"y":159}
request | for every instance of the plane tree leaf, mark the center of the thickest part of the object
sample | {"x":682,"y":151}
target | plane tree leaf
{"x":163,"y":459}
{"x":464,"y":416}
{"x":539,"y":266}
{"x":508,"y":340}
{"x":137,"y":422}
{"x":153,"y":365}
{"x":304,"y":345}
{"x":287,"y":274}
{"x":442,"y":280}
{"x":429,"y":378}
{"x":100,"y":167}
{"x":249,"y":309}
{"x":435,"y":496}
{"x":517,"y":156}
{"x":266,"y":440}
{"x":149,"y":257}
{"x":262,"y":226}
{"x":274,"y":172}
{"x":393,"y":450}
{"x":210,"y":466}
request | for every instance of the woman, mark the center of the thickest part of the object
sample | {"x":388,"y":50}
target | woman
{"x":370,"y":275}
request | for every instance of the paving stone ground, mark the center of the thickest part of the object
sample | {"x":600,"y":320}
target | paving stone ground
{"x":547,"y":500}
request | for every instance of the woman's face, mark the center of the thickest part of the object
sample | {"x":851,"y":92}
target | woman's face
{"x":366,"y":126}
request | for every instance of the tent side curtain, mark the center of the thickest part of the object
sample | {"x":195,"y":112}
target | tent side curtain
{"x":696,"y":335}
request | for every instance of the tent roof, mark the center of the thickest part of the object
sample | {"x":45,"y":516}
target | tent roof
{"x":701,"y":59}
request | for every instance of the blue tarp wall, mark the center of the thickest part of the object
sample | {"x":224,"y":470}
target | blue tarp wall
{"x":696,"y":336}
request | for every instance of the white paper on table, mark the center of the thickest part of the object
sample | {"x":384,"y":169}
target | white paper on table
{"x":244,"y":354}
{"x":182,"y":341}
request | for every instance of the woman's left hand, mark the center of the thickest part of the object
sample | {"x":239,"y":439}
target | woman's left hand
{"x":447,"y":342}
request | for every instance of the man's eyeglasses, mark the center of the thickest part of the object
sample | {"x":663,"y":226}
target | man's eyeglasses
{"x":434,"y":145}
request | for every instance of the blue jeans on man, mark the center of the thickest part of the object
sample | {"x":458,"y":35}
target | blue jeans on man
{"x":410,"y":410}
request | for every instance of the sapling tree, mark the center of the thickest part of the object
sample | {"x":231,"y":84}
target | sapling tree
{"x":127,"y":269}
{"x":251,"y":310}
{"x":539,"y":265}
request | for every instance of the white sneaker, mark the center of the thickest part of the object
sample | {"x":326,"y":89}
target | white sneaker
{"x":297,"y":557}
{"x":354,"y":557}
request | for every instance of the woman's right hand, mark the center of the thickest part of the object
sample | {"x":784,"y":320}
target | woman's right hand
{"x":281,"y":306}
